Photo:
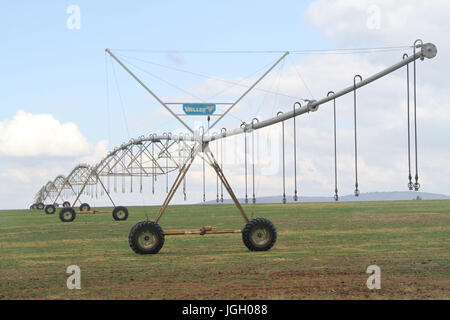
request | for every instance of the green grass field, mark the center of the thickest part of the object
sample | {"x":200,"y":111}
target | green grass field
{"x":322,"y":252}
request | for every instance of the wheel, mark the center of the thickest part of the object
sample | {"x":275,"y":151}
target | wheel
{"x":146,"y":237}
{"x":66,"y":204}
{"x":40,"y":206}
{"x":67,"y":214}
{"x":33,"y":206}
{"x":120,"y":213}
{"x":259,"y":235}
{"x":50,"y":209}
{"x":85,"y":207}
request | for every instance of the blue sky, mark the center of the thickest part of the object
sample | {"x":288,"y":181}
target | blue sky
{"x":47,"y":68}
{"x":57,"y":77}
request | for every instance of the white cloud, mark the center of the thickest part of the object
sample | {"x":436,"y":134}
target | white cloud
{"x":346,"y":21}
{"x":96,"y":155}
{"x":40,"y":135}
{"x":381,"y":130}
{"x":35,"y":148}
{"x":381,"y":111}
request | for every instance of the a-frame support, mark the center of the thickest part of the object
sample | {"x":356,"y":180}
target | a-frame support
{"x":101,"y":183}
{"x":62,"y":188}
{"x":209,"y":158}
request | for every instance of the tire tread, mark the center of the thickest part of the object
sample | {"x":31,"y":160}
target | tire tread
{"x":63,"y":210}
{"x":141,"y":226}
{"x":117,"y":209}
{"x":254,"y":223}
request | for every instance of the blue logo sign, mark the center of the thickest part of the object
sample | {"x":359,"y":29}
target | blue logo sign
{"x":199,"y":109}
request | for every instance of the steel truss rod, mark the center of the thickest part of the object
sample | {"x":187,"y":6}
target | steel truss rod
{"x":86,"y":183}
{"x":248,"y":90}
{"x":148,"y":90}
{"x":139,"y":163}
{"x":106,"y":191}
{"x":209,"y":157}
{"x":181,"y":174}
{"x":224,"y":180}
{"x":66,"y":182}
{"x":427,"y":50}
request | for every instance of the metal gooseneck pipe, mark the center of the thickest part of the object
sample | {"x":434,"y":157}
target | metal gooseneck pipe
{"x":427,"y":50}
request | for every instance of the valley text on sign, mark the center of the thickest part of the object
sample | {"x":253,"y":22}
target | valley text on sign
{"x":199,"y":109}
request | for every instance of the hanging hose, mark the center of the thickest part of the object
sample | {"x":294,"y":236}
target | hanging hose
{"x":223,"y":131}
{"x":204,"y":183}
{"x":156,"y":176}
{"x":217,"y":176}
{"x":295,"y":153}
{"x":123,"y":178}
{"x":184,"y":179}
{"x":284,"y":163}
{"x":167,"y":173}
{"x":165,"y":154}
{"x":410,"y":184}
{"x":184,"y":189}
{"x":140,"y":178}
{"x":179,"y":158}
{"x":356,"y":141}
{"x":253,"y":160}
{"x":115,"y":178}
{"x":336,"y":196}
{"x":416,"y":184}
{"x":131,"y":168}
{"x":243,"y":124}
{"x":154,"y":169}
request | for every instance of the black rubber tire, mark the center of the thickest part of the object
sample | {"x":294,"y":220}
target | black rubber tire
{"x":50,"y":209}
{"x":120,"y":213}
{"x":33,"y":206}
{"x":40,"y":206}
{"x":67,"y":214}
{"x":146,"y":227}
{"x":85,"y":207}
{"x":66,"y":204}
{"x":253,"y":226}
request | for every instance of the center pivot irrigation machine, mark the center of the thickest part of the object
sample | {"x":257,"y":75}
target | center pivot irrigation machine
{"x":157,"y":155}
